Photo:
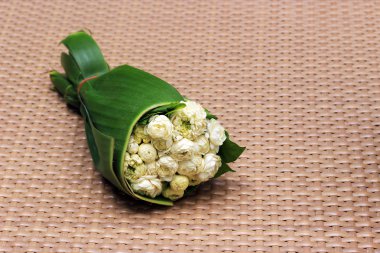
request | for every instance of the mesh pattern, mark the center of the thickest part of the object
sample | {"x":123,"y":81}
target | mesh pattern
{"x":296,"y":82}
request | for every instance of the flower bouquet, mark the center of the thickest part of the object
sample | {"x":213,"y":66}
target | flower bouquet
{"x":144,"y":137}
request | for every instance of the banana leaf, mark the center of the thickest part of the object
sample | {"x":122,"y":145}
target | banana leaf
{"x":111,"y":102}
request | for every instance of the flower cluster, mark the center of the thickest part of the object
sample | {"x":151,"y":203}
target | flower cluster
{"x":171,"y":152}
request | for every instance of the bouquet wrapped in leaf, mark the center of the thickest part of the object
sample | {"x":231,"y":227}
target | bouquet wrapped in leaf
{"x":145,"y":137}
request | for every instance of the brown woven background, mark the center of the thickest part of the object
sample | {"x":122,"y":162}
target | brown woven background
{"x":297,"y":82}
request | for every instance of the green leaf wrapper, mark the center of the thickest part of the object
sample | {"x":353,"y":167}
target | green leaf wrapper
{"x":223,"y":169}
{"x":112,"y":102}
{"x":230,"y":151}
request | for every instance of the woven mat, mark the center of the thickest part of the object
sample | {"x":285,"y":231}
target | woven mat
{"x":296,"y":82}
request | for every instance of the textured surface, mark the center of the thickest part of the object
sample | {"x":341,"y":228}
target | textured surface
{"x":297,"y":82}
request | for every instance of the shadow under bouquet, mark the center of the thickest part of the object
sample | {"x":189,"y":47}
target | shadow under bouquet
{"x":144,"y":137}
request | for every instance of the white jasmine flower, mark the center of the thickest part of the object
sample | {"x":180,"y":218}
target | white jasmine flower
{"x":151,"y":168}
{"x":198,"y":127}
{"x":162,"y":145}
{"x":140,"y":170}
{"x":127,"y":158}
{"x":132,"y":160}
{"x":214,"y":149}
{"x":177,"y":136}
{"x":212,"y":163}
{"x":216,"y":132}
{"x":140,"y":136}
{"x":187,"y":129}
{"x":159,"y":127}
{"x":179,"y":183}
{"x":182,"y":150}
{"x":191,"y":167}
{"x":147,"y":153}
{"x":192,"y":112}
{"x":172,"y":194}
{"x":134,"y":174}
{"x":182,"y":129}
{"x":167,"y":167}
{"x":133,"y":147}
{"x":202,"y":145}
{"x":190,"y":121}
{"x":147,"y":185}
